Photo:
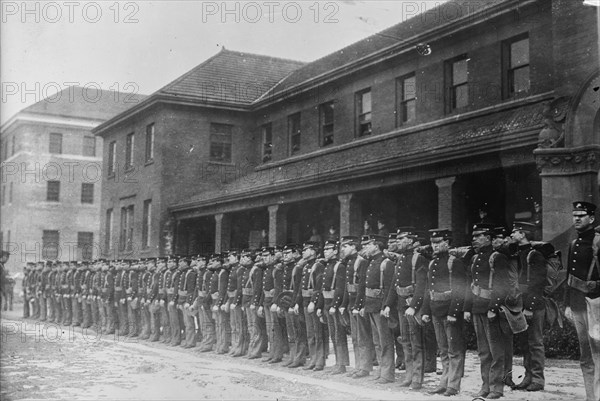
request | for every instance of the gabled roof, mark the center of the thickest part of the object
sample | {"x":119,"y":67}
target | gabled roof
{"x":232,"y":77}
{"x":86,"y":103}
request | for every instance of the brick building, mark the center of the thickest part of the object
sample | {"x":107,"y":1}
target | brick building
{"x":422,"y":123}
{"x":51,"y":175}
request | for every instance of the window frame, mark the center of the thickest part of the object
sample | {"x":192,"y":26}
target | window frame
{"x":360,"y":113}
{"x":108,"y":229}
{"x":86,"y":146}
{"x":219,"y":131}
{"x":327,"y":128}
{"x":50,"y":191}
{"x":86,"y":200}
{"x":112,"y":158}
{"x":508,"y":89}
{"x":149,"y":156}
{"x":267,"y":143}
{"x":453,"y":87}
{"x":146,"y":223}
{"x":126,"y":233}
{"x":129,"y":150}
{"x":402,"y":101}
{"x":47,"y":242}
{"x":295,"y":131}
{"x":57,"y":136}
{"x":85,"y":248}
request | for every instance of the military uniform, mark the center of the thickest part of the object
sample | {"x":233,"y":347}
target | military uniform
{"x":222,"y":312}
{"x":108,"y":299}
{"x":121,"y":285}
{"x":295,"y":326}
{"x":152,"y":299}
{"x":163,"y":286}
{"x":66,"y":283}
{"x":204,"y":300}
{"x":274,"y":329}
{"x":172,"y":291}
{"x":239,"y":328}
{"x":86,"y":285}
{"x":251,"y":293}
{"x":95,"y":298}
{"x":187,"y":287}
{"x":78,"y":276}
{"x":144,"y":289}
{"x":445,"y":297}
{"x":583,"y":280}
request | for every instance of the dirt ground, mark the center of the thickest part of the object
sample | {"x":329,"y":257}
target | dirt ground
{"x":48,"y":362}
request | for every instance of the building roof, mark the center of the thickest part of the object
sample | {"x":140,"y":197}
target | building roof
{"x":85,"y":102}
{"x":232,"y":77}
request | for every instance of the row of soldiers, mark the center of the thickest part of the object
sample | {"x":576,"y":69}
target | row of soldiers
{"x":293,"y":300}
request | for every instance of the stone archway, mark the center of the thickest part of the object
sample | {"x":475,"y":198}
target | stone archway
{"x":582,"y":126}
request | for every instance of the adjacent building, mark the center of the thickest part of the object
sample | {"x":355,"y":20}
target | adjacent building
{"x":52,"y":175}
{"x":472,"y":103}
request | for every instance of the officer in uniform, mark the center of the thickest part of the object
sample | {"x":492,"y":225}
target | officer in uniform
{"x":152,"y":298}
{"x":583,"y":280}
{"x":86,"y":283}
{"x":222,"y":312}
{"x":175,"y":264}
{"x":120,"y":297}
{"x":489,"y":289}
{"x":204,"y":300}
{"x":96,"y":302}
{"x":164,"y":283}
{"x":274,"y":333}
{"x":99,"y":299}
{"x":410,"y":279}
{"x":55,"y":305}
{"x":329,"y":302}
{"x":532,"y":280}
{"x":235,"y":310}
{"x":76,"y":293}
{"x":251,"y":293}
{"x":144,"y":289}
{"x":108,"y":296}
{"x":238,"y":305}
{"x":444,"y":301}
{"x":187,"y":287}
{"x":291,"y":281}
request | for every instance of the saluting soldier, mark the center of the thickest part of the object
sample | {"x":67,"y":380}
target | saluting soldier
{"x":489,"y":272}
{"x":152,"y":298}
{"x":408,"y":294}
{"x":329,"y":301}
{"x":532,"y":280}
{"x":444,"y":302}
{"x":583,"y":280}
{"x":187,"y":287}
{"x":239,"y":330}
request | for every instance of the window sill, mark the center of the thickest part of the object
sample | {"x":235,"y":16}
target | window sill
{"x":221,"y":163}
{"x":129,"y":169}
{"x":149,"y":162}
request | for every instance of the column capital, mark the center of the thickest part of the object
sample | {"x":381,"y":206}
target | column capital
{"x":273,"y":208}
{"x":345,"y":198}
{"x":445,"y":182}
{"x":219,"y":217}
{"x":568,"y":161}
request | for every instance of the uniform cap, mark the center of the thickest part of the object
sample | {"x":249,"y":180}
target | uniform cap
{"x":311,"y":245}
{"x":267,"y":250}
{"x":404,"y":232}
{"x":482,"y":228}
{"x":442,"y":233}
{"x":500,"y":232}
{"x":349,"y":240}
{"x":524,"y":226}
{"x":366,"y":239}
{"x":582,"y":208}
{"x":330,"y":244}
{"x":247,"y":252}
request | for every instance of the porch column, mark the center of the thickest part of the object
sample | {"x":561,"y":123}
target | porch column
{"x":568,"y":175}
{"x":277,"y":225}
{"x":451,"y":207}
{"x":222,"y":232}
{"x":350,"y":215}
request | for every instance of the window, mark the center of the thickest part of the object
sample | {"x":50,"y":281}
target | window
{"x":146,"y":222}
{"x":108,"y":239}
{"x":267,"y":147}
{"x":53,"y":191}
{"x":55,"y":143}
{"x":364,"y":108}
{"x":126,"y":240}
{"x":516,"y":66}
{"x":326,"y":123}
{"x":129,"y":147}
{"x":10,"y":193}
{"x":406,"y":99}
{"x":85,"y":245}
{"x":3,"y":194}
{"x":457,"y":71}
{"x":87,"y":193}
{"x":89,"y":146}
{"x":50,"y":239}
{"x":149,"y":143}
{"x":220,"y":143}
{"x":112,"y":155}
{"x":294,"y":132}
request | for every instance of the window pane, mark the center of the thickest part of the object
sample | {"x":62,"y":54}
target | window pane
{"x":365,"y":102}
{"x":55,"y":143}
{"x":461,"y":96}
{"x":409,"y":111}
{"x":85,"y":244}
{"x":53,"y":191}
{"x":129,"y":151}
{"x":150,"y":142}
{"x":459,"y":72}
{"x":294,"y":132}
{"x":521,"y":80}
{"x":108,"y":229}
{"x":267,"y":150}
{"x":519,"y":53}
{"x":50,"y":244}
{"x":87,"y":193}
{"x":146,"y":223}
{"x":89,"y":146}
{"x":409,"y":88}
{"x":220,"y":142}
{"x":111,"y":157}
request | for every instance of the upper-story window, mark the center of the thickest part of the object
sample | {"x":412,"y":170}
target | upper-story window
{"x":12,"y":152}
{"x":457,"y":75}
{"x":108,"y":239}
{"x":55,"y":145}
{"x":406,"y":99}
{"x":149,"y":143}
{"x":112,"y":157}
{"x":53,"y":191}
{"x":89,"y":146}
{"x":87,"y":192}
{"x":267,"y":142}
{"x":516,"y":66}
{"x":220,"y":142}
{"x":364,"y":109}
{"x":129,"y":151}
{"x":126,"y":238}
{"x":146,"y":223}
{"x":295,"y":133}
{"x":326,"y":113}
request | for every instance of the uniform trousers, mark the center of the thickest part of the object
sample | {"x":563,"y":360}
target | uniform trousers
{"x":25,"y":304}
{"x":123,"y":322}
{"x":296,"y":334}
{"x":208,"y":329}
{"x":223,"y":331}
{"x":102,"y":313}
{"x":275,"y":332}
{"x":95,"y":314}
{"x":491,"y":339}
{"x":155,"y":316}
{"x":86,"y":312}
{"x":175,"y":323}
{"x":77,"y":313}
{"x":365,"y":342}
{"x":43,"y":308}
{"x":109,"y":312}
{"x":382,"y":334}
{"x":337,"y":332}
{"x":35,"y":307}
{"x":314,"y":334}
{"x":164,"y":321}
{"x":190,"y":328}
{"x":532,"y":345}
{"x":450,"y":343}
{"x":239,"y":330}
{"x":590,"y":356}
{"x":430,"y":347}
{"x":412,"y":340}
{"x":58,"y":306}
{"x":67,"y":311}
{"x":257,"y":340}
{"x":144,"y":320}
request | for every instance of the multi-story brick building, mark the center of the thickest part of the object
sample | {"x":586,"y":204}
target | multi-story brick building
{"x":422,"y":123}
{"x":51,"y":175}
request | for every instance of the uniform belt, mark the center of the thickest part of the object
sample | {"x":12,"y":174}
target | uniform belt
{"x":269,"y":293}
{"x":231,"y":293}
{"x":170,"y":291}
{"x":578,"y":284}
{"x":182,"y":293}
{"x":405,"y":291}
{"x":440,"y":296}
{"x":307,"y":293}
{"x":116,"y":288}
{"x":328,"y":294}
{"x":64,"y":287}
{"x":374,"y":292}
{"x":352,"y":287}
{"x":247,"y":291}
{"x":201,"y":293}
{"x":105,"y":290}
{"x":523,"y":288}
{"x":481,"y":292}
{"x":215,"y":295}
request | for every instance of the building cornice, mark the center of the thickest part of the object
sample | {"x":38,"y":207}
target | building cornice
{"x":46,"y":119}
